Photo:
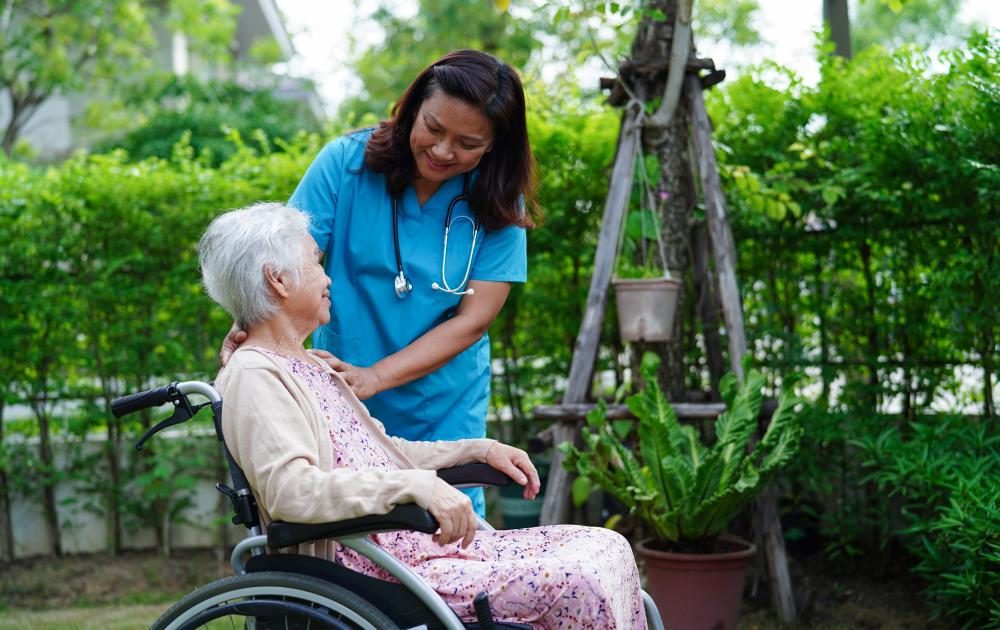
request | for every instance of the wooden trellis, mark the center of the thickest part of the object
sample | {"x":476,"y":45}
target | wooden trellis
{"x":683,"y":81}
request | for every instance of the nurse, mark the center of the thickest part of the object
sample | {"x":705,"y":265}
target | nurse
{"x":423,"y":220}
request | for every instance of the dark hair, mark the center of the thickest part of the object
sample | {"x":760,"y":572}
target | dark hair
{"x":506,"y":173}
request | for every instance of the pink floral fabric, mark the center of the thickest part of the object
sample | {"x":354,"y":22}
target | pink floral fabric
{"x":563,"y":576}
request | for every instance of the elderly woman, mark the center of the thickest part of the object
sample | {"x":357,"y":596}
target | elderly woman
{"x":312,"y":453}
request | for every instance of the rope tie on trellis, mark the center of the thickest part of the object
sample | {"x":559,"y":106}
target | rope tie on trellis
{"x":647,"y":199}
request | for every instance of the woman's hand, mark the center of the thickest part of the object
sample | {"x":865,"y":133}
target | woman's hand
{"x":365,"y":382}
{"x":233,"y":340}
{"x":454,"y":513}
{"x":517,"y":465}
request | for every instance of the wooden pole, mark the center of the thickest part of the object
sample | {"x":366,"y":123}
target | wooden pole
{"x":724,"y":254}
{"x":555,"y":507}
{"x":723,"y":248}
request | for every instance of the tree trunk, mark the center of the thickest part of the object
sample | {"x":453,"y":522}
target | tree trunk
{"x":48,"y":464}
{"x":675,"y":190}
{"x":837,"y":18}
{"x":872,"y":332}
{"x":6,"y":526}
{"x":822,"y":289}
{"x":21,"y":110}
{"x":989,"y":408}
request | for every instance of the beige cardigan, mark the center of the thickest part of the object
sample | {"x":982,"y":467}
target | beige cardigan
{"x":278,"y":435}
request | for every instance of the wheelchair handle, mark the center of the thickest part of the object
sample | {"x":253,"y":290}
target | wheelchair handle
{"x":143,"y":400}
{"x":160,"y":396}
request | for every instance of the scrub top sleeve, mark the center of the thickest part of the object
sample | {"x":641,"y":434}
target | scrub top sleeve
{"x":503,"y":256}
{"x":317,"y":193}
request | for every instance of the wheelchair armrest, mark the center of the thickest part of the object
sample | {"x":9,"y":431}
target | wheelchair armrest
{"x":410,"y":516}
{"x":474,"y":475}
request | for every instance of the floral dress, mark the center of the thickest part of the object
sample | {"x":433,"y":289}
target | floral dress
{"x":563,"y":576}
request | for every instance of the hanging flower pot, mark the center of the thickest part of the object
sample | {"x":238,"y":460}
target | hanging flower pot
{"x":646,"y":307}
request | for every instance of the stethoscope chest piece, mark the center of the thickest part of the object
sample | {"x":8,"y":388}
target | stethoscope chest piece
{"x":403,"y":286}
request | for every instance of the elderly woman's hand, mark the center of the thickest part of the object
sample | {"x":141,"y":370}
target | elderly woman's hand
{"x":454,"y":514}
{"x":233,"y":340}
{"x":364,"y":382}
{"x":517,"y":465}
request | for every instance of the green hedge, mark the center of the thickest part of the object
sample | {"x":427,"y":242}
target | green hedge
{"x":101,"y":297}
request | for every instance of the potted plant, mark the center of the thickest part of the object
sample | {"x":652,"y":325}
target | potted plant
{"x":645,"y":294}
{"x":687,"y":491}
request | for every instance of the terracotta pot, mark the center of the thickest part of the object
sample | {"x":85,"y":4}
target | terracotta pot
{"x":646,"y":308}
{"x":698,"y":591}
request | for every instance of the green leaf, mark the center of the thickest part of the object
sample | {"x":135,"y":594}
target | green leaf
{"x":582,"y":487}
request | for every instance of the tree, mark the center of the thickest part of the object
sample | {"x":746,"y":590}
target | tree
{"x":50,"y":46}
{"x":727,"y":20}
{"x":171,"y":108}
{"x":837,"y":19}
{"x":439,"y":26}
{"x":920,"y":22}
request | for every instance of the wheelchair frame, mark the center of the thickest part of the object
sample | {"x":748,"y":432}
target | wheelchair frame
{"x":352,"y":533}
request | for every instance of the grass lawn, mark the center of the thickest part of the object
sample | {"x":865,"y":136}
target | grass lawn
{"x":121,"y":617}
{"x":133,"y":589}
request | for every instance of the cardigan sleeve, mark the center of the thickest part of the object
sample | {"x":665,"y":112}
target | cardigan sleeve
{"x":440,"y":453}
{"x":277,"y":447}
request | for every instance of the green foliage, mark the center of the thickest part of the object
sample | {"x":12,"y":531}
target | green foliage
{"x":913,"y":22}
{"x":866,"y":196}
{"x":207,"y":115}
{"x":61,"y":45}
{"x":944,"y":473}
{"x":681,"y":487}
{"x":865,"y":212}
{"x":436,"y":27}
{"x":573,"y":142}
{"x":726,"y":20}
{"x":101,"y":285}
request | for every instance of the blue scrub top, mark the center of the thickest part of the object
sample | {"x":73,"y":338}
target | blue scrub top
{"x":351,"y":213}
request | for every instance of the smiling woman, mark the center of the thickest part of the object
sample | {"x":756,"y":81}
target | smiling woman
{"x":422,"y":220}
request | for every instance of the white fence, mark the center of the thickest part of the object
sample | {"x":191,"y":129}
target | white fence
{"x":85,"y":531}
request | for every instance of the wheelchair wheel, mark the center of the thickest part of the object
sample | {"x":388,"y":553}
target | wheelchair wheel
{"x":271,"y":599}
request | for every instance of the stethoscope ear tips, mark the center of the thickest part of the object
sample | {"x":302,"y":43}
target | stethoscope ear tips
{"x":437,"y":287}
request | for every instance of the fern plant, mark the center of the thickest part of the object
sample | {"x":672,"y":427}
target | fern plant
{"x":682,"y":488}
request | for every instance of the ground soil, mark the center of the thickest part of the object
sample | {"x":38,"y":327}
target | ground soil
{"x":830,"y":597}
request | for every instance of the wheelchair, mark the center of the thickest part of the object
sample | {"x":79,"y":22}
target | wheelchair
{"x":291,"y":591}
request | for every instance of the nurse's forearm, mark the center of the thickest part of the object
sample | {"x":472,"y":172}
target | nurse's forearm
{"x":441,"y":344}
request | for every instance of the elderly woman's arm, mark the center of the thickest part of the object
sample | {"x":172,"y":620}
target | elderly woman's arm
{"x":280,"y":450}
{"x":446,"y":453}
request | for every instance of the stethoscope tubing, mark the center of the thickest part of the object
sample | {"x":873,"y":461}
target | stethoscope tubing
{"x":402,"y":285}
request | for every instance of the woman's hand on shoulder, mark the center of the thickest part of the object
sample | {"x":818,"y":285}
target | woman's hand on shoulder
{"x":517,"y":465}
{"x":364,"y":382}
{"x":454,"y":514}
{"x":234,"y":339}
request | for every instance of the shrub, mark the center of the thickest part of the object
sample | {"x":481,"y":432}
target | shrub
{"x":945,"y":470}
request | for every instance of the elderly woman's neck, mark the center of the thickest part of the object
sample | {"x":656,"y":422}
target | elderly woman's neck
{"x":279,"y":335}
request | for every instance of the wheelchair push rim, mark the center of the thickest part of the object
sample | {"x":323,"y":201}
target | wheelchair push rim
{"x":313,"y":603}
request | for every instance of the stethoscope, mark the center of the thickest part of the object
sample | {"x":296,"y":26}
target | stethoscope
{"x":402,"y":285}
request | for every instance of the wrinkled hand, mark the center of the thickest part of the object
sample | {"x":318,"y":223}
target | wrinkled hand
{"x":517,"y":465}
{"x":234,"y":338}
{"x":454,"y":513}
{"x":364,"y":382}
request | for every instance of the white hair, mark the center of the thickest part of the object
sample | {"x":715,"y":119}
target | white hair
{"x":237,"y":249}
